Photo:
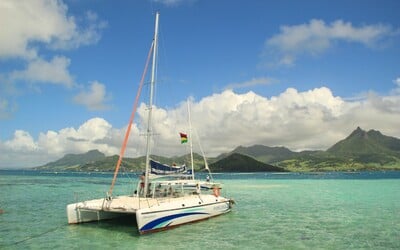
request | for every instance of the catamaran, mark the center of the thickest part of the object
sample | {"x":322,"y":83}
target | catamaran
{"x":166,"y":196}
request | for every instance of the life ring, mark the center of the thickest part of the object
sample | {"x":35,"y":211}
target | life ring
{"x":216,"y":191}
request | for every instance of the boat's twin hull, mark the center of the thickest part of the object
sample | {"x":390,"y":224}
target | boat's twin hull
{"x":79,"y":215}
{"x":103,"y":209}
{"x":158,"y":215}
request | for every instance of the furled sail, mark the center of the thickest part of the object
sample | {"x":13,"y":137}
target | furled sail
{"x":158,"y":168}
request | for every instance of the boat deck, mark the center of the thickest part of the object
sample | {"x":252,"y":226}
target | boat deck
{"x":119,"y":204}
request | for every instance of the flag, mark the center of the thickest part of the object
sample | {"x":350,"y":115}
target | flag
{"x":184,"y":138}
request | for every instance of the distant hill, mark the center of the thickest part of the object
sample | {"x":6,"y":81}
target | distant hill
{"x":362,"y":142}
{"x":94,"y":160}
{"x":242,"y":163}
{"x":71,"y":161}
{"x":368,"y":148}
{"x":361,"y":150}
{"x":264,"y":153}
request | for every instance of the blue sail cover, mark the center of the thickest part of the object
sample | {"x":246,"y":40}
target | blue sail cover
{"x":158,"y":168}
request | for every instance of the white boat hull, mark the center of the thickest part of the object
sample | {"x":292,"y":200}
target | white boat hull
{"x":151,"y":214}
{"x":77,"y":215}
{"x":180,"y":211}
{"x":102,"y":209}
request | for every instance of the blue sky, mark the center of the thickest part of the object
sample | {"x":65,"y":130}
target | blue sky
{"x":301,"y":74}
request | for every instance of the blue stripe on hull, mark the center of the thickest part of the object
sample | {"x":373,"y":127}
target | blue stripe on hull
{"x":156,"y":223}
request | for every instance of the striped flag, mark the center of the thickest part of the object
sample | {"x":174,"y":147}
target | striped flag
{"x":184,"y":138}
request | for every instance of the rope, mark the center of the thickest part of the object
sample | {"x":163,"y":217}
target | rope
{"x":34,"y":236}
{"x":125,"y":172}
{"x":128,"y":130}
{"x":203,"y":154}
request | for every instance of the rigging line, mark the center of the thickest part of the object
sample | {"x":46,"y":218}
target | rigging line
{"x":203,"y":154}
{"x":126,"y":172}
{"x":35,"y":236}
{"x":128,"y":130}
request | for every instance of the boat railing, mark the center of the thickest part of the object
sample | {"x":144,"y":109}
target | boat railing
{"x":164,"y":190}
{"x":180,"y":188}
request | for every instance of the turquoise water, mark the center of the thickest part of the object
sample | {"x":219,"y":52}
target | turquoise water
{"x":273,"y":211}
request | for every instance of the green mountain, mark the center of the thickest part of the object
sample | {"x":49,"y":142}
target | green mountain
{"x":368,"y":147}
{"x":73,"y":161}
{"x":242,"y":163}
{"x":264,"y":153}
{"x":361,"y":150}
{"x":361,"y":142}
{"x":97,"y":161}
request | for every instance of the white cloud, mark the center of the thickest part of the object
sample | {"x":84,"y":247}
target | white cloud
{"x":173,"y":2}
{"x":314,"y":119}
{"x":94,"y":98}
{"x":396,"y":90}
{"x":54,"y":72}
{"x":33,"y":31}
{"x":250,"y":83}
{"x":288,"y":119}
{"x":82,"y":35}
{"x":316,"y":37}
{"x":22,"y":142}
{"x":30,"y":22}
{"x":397,"y":81}
{"x":23,"y":150}
{"x":83,"y":139}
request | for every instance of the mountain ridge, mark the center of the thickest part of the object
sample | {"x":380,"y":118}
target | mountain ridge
{"x":262,"y":153}
{"x":72,"y":160}
{"x":361,"y":142}
{"x":245,"y":163}
{"x":361,"y":150}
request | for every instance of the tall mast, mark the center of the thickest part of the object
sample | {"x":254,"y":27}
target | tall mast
{"x":152,"y":83}
{"x":190,"y":140}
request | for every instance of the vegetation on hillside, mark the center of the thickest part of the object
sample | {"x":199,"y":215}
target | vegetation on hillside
{"x":361,"y":150}
{"x":235,"y":162}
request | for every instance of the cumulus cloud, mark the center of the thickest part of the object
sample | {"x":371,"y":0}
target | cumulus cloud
{"x":29,"y":21}
{"x":45,"y":22}
{"x":314,"y":119}
{"x":33,"y":36}
{"x":82,"y":139}
{"x":23,"y":150}
{"x":315,"y":37}
{"x":54,"y":72}
{"x":85,"y":34}
{"x":397,"y":82}
{"x":22,"y":142}
{"x":94,"y":98}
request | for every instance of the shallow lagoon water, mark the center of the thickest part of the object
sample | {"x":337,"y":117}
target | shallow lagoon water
{"x":273,"y":211}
